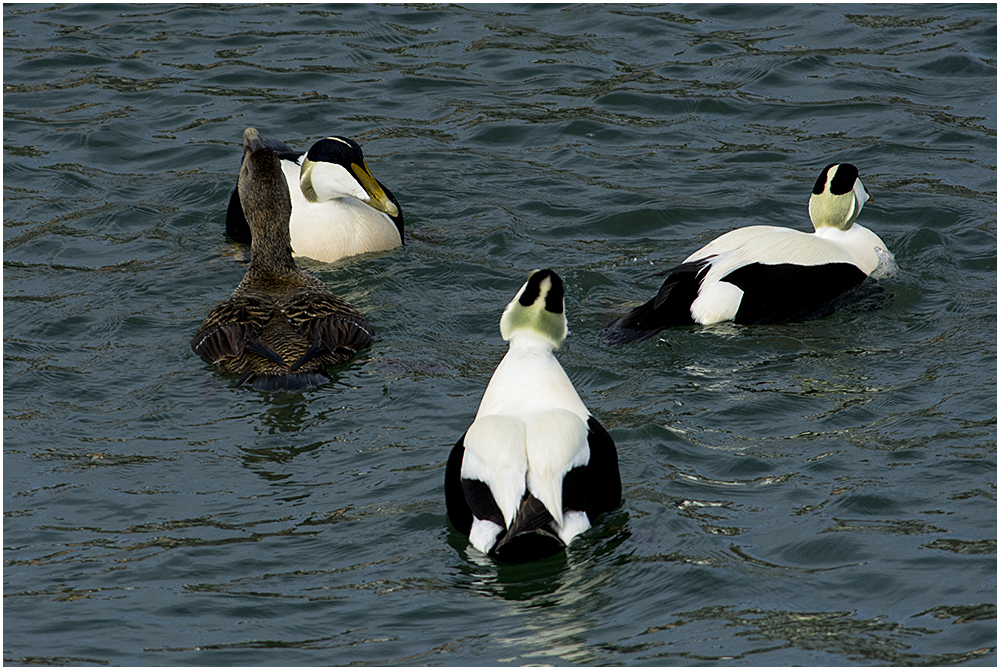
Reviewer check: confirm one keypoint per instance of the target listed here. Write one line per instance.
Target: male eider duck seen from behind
(338, 208)
(281, 328)
(535, 469)
(767, 274)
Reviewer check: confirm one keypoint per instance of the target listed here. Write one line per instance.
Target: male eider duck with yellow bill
(281, 328)
(338, 208)
(535, 469)
(767, 274)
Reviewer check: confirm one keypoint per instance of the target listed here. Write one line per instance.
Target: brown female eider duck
(281, 328)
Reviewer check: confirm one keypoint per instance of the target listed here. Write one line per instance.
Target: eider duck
(535, 469)
(767, 274)
(338, 208)
(281, 328)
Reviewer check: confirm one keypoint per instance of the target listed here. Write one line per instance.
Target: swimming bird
(281, 328)
(535, 469)
(338, 208)
(767, 274)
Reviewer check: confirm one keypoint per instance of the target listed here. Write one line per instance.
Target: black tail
(640, 324)
(671, 306)
(530, 536)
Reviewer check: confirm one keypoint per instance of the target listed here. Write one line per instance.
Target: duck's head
(837, 197)
(263, 191)
(335, 167)
(537, 309)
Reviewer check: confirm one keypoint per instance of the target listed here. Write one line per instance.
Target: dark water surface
(817, 493)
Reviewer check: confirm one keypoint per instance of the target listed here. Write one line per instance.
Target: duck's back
(284, 341)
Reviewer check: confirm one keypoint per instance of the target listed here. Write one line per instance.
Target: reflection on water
(509, 581)
(556, 601)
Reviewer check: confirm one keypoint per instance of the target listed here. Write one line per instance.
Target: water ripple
(800, 494)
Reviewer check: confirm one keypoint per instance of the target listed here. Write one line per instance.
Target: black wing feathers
(681, 286)
(604, 489)
(481, 502)
(454, 496)
(786, 292)
(466, 498)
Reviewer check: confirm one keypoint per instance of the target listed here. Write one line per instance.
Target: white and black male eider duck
(535, 469)
(281, 328)
(767, 274)
(338, 208)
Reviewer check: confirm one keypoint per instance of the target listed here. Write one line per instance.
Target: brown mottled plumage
(281, 327)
